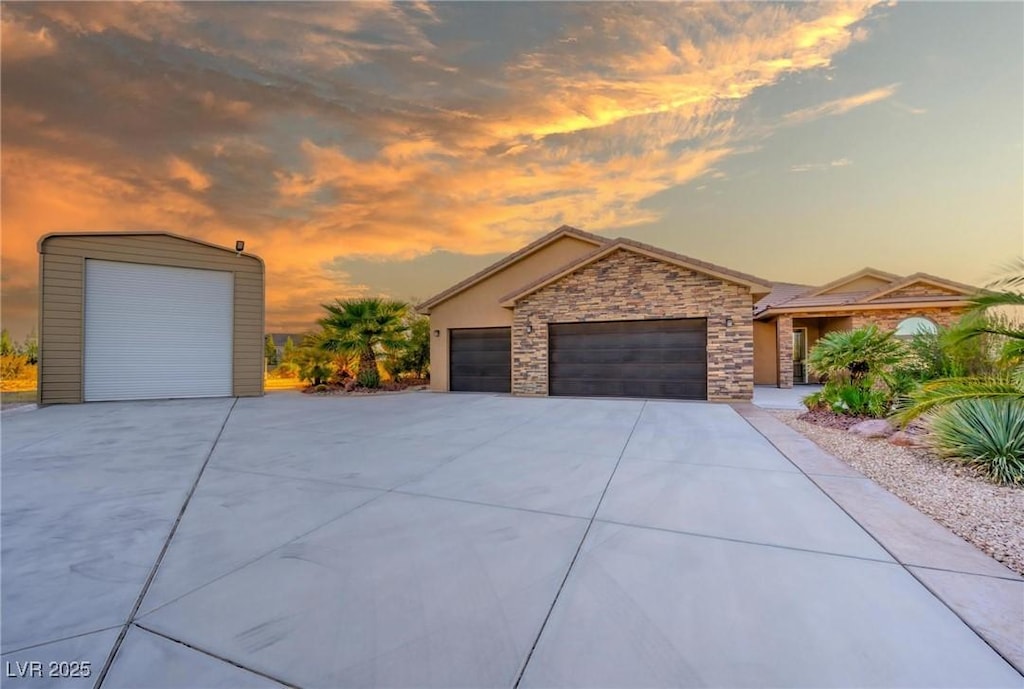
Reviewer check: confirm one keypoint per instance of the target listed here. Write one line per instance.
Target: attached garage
(648, 358)
(481, 359)
(148, 316)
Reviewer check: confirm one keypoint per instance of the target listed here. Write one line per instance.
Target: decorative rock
(904, 439)
(873, 428)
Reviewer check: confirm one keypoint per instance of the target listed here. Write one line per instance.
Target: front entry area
(649, 359)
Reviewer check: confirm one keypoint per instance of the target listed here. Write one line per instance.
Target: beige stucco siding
(478, 307)
(766, 370)
(61, 307)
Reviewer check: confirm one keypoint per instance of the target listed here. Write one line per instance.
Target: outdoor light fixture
(529, 328)
(437, 333)
(728, 321)
(239, 246)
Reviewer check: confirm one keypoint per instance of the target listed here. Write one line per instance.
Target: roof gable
(864, 280)
(511, 259)
(922, 285)
(756, 285)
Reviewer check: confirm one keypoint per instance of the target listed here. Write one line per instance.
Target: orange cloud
(323, 131)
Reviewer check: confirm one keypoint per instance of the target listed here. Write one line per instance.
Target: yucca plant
(988, 433)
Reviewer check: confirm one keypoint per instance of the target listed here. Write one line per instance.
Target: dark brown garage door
(664, 358)
(481, 360)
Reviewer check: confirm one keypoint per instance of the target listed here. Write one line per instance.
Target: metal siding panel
(155, 332)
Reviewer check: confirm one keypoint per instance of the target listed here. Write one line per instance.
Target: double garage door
(154, 332)
(650, 359)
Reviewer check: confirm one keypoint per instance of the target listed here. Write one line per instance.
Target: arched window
(916, 325)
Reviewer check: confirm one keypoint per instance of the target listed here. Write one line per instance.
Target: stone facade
(922, 290)
(629, 286)
(889, 320)
(784, 347)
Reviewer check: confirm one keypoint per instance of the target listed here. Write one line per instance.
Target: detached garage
(128, 316)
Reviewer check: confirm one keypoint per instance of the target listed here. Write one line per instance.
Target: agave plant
(987, 432)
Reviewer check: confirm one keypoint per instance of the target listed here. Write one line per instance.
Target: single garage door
(481, 360)
(656, 358)
(154, 332)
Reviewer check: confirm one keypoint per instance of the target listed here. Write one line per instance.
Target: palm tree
(363, 328)
(1008, 385)
(855, 355)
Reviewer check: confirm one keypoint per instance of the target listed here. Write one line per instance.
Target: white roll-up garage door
(157, 332)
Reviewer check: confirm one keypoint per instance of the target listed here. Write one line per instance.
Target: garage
(649, 359)
(481, 359)
(130, 316)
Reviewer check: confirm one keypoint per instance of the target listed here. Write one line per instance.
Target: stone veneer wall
(889, 320)
(630, 286)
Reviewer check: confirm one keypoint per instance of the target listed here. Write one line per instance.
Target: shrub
(988, 433)
(852, 399)
(13, 366)
(286, 369)
(368, 377)
(855, 355)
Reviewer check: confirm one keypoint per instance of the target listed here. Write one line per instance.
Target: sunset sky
(396, 148)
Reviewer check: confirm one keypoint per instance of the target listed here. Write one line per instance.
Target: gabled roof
(756, 285)
(852, 277)
(533, 247)
(140, 233)
(922, 279)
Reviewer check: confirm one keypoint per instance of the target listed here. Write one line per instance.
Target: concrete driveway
(447, 541)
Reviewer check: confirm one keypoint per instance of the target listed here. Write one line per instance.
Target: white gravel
(989, 516)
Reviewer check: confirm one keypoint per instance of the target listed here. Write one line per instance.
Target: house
(577, 314)
(791, 318)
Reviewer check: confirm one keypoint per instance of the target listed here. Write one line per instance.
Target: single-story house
(577, 314)
(791, 318)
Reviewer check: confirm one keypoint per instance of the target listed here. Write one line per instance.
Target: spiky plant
(988, 433)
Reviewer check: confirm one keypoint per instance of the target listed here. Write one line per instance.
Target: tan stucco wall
(862, 284)
(478, 307)
(62, 293)
(626, 286)
(766, 369)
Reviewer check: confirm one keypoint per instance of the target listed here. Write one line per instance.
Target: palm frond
(939, 393)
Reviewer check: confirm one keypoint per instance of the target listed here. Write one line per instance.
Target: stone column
(784, 347)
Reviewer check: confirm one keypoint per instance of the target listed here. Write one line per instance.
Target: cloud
(384, 131)
(840, 106)
(819, 167)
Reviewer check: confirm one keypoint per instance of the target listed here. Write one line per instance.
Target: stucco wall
(766, 369)
(478, 307)
(629, 286)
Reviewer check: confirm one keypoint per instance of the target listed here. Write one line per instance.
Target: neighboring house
(578, 314)
(280, 338)
(789, 320)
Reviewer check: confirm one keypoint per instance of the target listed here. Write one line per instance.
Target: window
(916, 325)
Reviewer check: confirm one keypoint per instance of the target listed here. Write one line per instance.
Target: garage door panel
(480, 359)
(651, 358)
(155, 332)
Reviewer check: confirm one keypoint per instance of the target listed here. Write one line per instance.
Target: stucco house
(577, 314)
